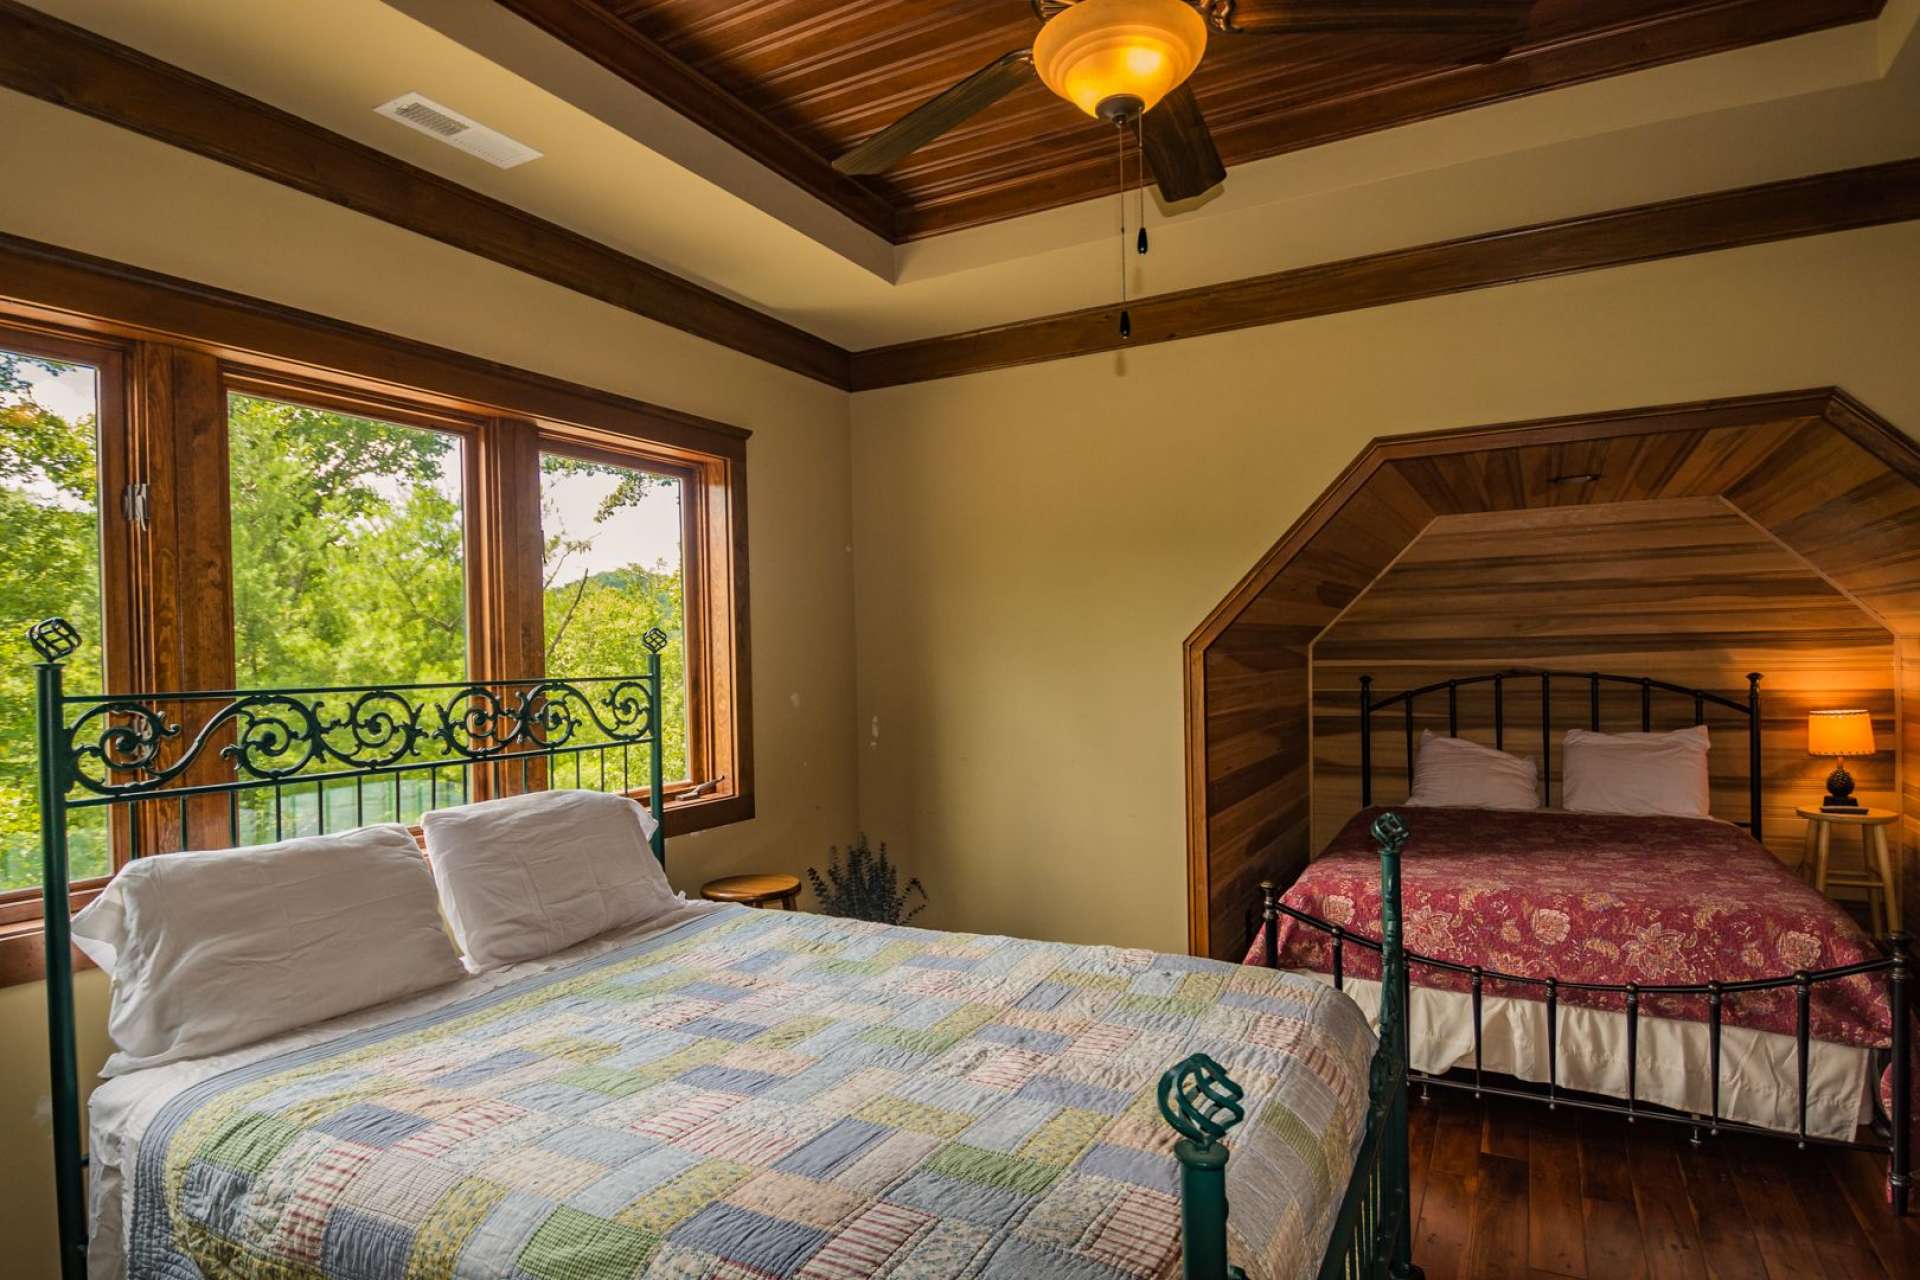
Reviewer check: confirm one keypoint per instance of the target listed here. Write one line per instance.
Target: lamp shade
(1840, 733)
(1101, 50)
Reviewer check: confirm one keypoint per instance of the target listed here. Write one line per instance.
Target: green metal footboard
(1373, 1232)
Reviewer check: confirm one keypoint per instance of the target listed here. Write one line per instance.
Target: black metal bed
(1892, 1133)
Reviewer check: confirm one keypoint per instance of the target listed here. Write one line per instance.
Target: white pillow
(211, 951)
(1453, 773)
(1647, 774)
(525, 876)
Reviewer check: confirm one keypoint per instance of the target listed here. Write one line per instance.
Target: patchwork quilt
(1595, 898)
(768, 1094)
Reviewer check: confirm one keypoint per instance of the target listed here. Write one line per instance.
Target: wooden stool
(1877, 876)
(754, 891)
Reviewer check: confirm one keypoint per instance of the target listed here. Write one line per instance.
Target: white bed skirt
(1759, 1071)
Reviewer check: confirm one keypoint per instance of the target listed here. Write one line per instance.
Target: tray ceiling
(796, 82)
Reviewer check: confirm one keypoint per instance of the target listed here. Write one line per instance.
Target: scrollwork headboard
(192, 770)
(1548, 681)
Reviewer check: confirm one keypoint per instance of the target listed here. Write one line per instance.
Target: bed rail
(1372, 1236)
(169, 772)
(1594, 681)
(1896, 964)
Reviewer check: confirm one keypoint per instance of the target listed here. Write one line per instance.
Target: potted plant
(866, 886)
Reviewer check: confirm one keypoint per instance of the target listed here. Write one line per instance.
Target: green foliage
(347, 549)
(594, 622)
(349, 568)
(49, 565)
(866, 886)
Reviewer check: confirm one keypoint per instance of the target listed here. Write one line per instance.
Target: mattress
(1608, 899)
(752, 1093)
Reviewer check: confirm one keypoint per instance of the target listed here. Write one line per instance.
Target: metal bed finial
(54, 639)
(1201, 1102)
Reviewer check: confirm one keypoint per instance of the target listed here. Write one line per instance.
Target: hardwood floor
(1503, 1189)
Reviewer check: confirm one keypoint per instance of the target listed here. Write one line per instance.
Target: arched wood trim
(1397, 483)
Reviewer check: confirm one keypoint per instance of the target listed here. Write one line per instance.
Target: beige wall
(1032, 546)
(68, 181)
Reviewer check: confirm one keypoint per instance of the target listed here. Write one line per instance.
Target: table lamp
(1840, 734)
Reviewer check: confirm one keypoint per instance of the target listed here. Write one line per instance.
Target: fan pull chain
(1140, 149)
(1126, 317)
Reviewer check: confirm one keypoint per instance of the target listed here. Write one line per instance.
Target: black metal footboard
(1896, 963)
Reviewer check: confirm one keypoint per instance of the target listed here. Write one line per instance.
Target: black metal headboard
(1647, 685)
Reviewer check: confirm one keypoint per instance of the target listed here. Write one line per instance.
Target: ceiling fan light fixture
(1124, 55)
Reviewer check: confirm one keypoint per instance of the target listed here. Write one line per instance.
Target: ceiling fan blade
(1397, 17)
(938, 114)
(1180, 148)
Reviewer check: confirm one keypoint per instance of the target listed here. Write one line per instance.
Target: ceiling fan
(1127, 61)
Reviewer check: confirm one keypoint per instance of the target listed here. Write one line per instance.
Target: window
(349, 559)
(50, 564)
(613, 544)
(349, 568)
(341, 508)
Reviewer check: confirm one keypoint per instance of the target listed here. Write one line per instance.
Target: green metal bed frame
(150, 761)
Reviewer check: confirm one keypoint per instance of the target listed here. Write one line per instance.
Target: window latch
(699, 789)
(134, 504)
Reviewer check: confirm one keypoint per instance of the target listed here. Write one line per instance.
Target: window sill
(23, 953)
(684, 817)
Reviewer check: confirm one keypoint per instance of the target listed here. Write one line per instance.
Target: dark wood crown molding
(59, 286)
(74, 68)
(1838, 201)
(617, 46)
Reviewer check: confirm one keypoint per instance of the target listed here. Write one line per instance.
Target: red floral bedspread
(1595, 898)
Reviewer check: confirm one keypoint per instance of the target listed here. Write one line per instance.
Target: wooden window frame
(718, 788)
(171, 351)
(310, 393)
(110, 360)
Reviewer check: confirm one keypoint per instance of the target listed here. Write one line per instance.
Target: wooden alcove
(1826, 493)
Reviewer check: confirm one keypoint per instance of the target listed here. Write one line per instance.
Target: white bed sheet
(122, 1108)
(1759, 1070)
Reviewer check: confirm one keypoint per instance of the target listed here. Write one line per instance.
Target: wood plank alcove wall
(1814, 471)
(1686, 590)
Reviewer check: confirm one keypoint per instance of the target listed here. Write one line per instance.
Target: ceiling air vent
(429, 117)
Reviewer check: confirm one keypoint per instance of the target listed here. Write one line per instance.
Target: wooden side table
(754, 891)
(1877, 875)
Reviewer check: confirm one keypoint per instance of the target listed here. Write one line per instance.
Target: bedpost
(1753, 754)
(655, 639)
(1900, 997)
(1390, 1064)
(54, 640)
(1366, 741)
(1201, 1102)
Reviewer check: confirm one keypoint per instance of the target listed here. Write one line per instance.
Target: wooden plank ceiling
(1837, 487)
(814, 77)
